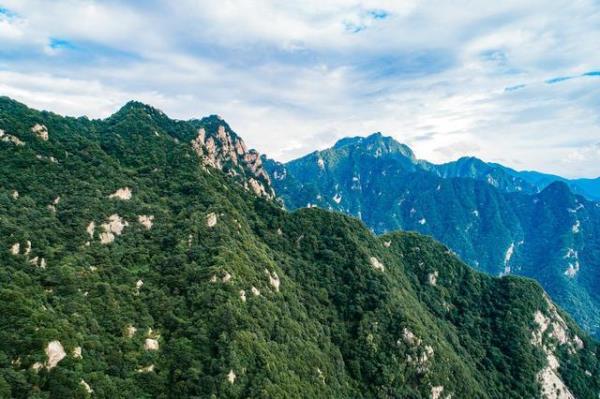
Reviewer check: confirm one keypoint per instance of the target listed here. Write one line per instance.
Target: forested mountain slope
(139, 261)
(510, 180)
(552, 236)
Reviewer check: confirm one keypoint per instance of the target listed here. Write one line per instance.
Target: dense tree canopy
(130, 269)
(489, 215)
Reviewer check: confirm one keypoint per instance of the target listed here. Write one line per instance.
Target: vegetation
(327, 309)
(489, 215)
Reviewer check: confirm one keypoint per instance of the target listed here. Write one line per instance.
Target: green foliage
(489, 215)
(333, 329)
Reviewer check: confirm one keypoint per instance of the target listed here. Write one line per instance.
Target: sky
(515, 82)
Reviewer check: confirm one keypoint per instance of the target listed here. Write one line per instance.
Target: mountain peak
(376, 136)
(214, 118)
(134, 105)
(471, 159)
(557, 190)
(346, 141)
(135, 108)
(376, 142)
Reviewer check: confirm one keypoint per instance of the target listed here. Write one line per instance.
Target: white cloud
(293, 76)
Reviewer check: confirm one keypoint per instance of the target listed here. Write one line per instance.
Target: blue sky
(516, 82)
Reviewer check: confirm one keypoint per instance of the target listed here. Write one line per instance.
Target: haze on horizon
(507, 82)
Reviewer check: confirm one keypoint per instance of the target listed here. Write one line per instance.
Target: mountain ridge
(505, 178)
(132, 268)
(493, 220)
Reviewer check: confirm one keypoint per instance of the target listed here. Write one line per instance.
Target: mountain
(493, 220)
(510, 180)
(496, 175)
(138, 261)
(589, 188)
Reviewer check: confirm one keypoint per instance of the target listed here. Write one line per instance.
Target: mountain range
(146, 257)
(496, 219)
(510, 180)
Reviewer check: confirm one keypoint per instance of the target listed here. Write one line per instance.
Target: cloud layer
(513, 82)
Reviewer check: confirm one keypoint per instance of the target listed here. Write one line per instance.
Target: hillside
(139, 260)
(510, 180)
(551, 235)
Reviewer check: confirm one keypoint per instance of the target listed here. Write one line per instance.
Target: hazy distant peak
(376, 143)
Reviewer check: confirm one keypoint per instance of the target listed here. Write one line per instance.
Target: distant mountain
(137, 260)
(496, 220)
(496, 175)
(589, 188)
(510, 180)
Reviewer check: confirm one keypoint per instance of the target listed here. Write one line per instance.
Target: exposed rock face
(151, 344)
(146, 221)
(231, 377)
(220, 148)
(55, 353)
(15, 249)
(410, 338)
(9, 138)
(90, 229)
(257, 188)
(114, 227)
(559, 330)
(122, 194)
(86, 386)
(274, 280)
(147, 369)
(77, 352)
(376, 264)
(436, 392)
(420, 355)
(432, 278)
(252, 159)
(41, 131)
(211, 219)
(552, 385)
(130, 331)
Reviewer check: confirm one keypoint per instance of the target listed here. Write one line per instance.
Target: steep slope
(211, 138)
(551, 236)
(134, 265)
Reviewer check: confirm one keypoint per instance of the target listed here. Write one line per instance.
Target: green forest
(129, 268)
(494, 220)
